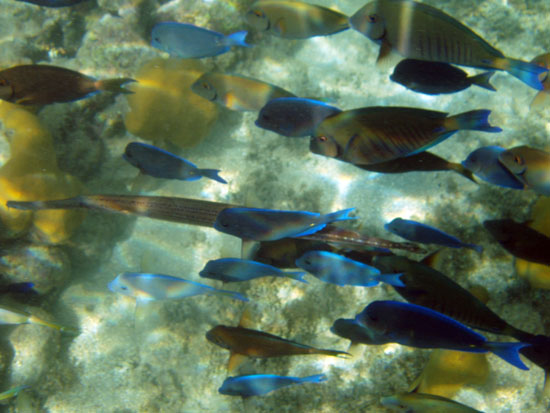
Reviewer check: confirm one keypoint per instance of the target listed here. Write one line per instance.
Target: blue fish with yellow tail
(426, 234)
(192, 42)
(260, 384)
(237, 269)
(145, 286)
(53, 3)
(337, 269)
(416, 326)
(159, 163)
(270, 224)
(484, 163)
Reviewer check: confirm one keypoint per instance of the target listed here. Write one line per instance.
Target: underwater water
(154, 357)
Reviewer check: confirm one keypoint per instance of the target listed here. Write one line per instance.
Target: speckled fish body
(53, 3)
(254, 343)
(543, 96)
(235, 92)
(424, 403)
(434, 78)
(419, 31)
(520, 240)
(294, 19)
(162, 287)
(416, 326)
(426, 234)
(294, 117)
(12, 392)
(531, 166)
(192, 42)
(159, 163)
(337, 269)
(484, 163)
(350, 329)
(270, 224)
(379, 134)
(236, 269)
(260, 384)
(42, 85)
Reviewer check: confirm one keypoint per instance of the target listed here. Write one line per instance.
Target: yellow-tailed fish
(422, 32)
(542, 97)
(12, 316)
(531, 166)
(294, 19)
(8, 394)
(237, 92)
(424, 403)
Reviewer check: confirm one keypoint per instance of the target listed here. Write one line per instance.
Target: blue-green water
(156, 358)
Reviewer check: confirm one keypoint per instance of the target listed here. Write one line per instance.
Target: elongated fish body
(42, 85)
(434, 78)
(236, 269)
(424, 403)
(484, 163)
(163, 287)
(53, 3)
(426, 234)
(294, 117)
(260, 384)
(419, 162)
(418, 31)
(352, 330)
(12, 392)
(159, 163)
(529, 165)
(236, 92)
(254, 343)
(416, 326)
(294, 19)
(12, 316)
(192, 42)
(270, 224)
(337, 269)
(520, 240)
(379, 134)
(543, 96)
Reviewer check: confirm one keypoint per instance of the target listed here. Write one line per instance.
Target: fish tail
(541, 98)
(473, 120)
(238, 39)
(462, 170)
(508, 352)
(392, 279)
(115, 85)
(482, 80)
(318, 378)
(339, 215)
(296, 275)
(333, 353)
(212, 174)
(76, 202)
(528, 73)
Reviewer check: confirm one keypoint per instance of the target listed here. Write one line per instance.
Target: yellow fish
(531, 166)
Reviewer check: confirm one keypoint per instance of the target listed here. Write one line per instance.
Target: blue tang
(270, 224)
(236, 269)
(159, 163)
(53, 3)
(484, 163)
(425, 234)
(162, 287)
(337, 269)
(294, 117)
(416, 326)
(189, 41)
(260, 384)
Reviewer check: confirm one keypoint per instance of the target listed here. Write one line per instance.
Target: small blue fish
(270, 224)
(189, 41)
(260, 384)
(484, 163)
(294, 117)
(163, 287)
(416, 326)
(159, 163)
(425, 234)
(53, 3)
(340, 270)
(236, 269)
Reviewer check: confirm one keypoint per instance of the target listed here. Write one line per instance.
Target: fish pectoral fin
(235, 360)
(384, 55)
(280, 26)
(354, 350)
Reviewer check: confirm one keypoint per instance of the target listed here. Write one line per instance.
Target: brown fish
(42, 85)
(543, 96)
(530, 166)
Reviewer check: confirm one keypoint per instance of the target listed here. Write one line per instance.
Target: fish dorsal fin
(235, 360)
(432, 260)
(246, 319)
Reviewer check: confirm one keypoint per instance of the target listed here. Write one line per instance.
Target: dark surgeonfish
(424, 403)
(416, 326)
(293, 116)
(541, 98)
(260, 384)
(295, 19)
(377, 134)
(520, 240)
(419, 31)
(53, 3)
(426, 234)
(529, 165)
(159, 163)
(192, 42)
(237, 269)
(42, 85)
(434, 78)
(484, 163)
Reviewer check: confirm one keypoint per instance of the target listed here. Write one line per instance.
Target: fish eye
(518, 159)
(308, 262)
(123, 288)
(373, 18)
(3, 82)
(258, 13)
(373, 317)
(323, 138)
(206, 85)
